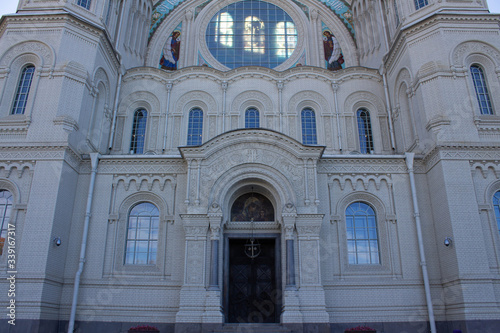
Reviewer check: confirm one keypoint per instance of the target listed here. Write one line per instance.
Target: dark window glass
(138, 132)
(421, 3)
(482, 94)
(5, 211)
(365, 132)
(252, 118)
(195, 127)
(496, 207)
(84, 3)
(23, 89)
(309, 127)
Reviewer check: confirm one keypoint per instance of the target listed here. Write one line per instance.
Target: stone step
(253, 328)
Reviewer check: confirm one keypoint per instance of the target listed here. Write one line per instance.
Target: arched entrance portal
(252, 256)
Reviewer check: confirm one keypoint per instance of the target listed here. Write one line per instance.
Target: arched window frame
(23, 88)
(141, 246)
(252, 118)
(6, 204)
(195, 127)
(308, 122)
(138, 136)
(481, 89)
(362, 234)
(365, 132)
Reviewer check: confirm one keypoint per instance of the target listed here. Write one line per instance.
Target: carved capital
(289, 228)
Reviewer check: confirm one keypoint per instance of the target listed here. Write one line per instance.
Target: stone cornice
(487, 151)
(289, 75)
(362, 165)
(409, 31)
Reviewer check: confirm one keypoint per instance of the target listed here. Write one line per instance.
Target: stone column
(291, 305)
(311, 292)
(213, 302)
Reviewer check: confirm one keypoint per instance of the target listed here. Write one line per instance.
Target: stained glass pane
(251, 33)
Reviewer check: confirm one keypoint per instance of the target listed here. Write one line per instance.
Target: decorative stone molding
(311, 99)
(67, 123)
(463, 50)
(196, 98)
(252, 98)
(148, 180)
(42, 50)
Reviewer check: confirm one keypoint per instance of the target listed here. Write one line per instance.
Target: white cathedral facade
(250, 166)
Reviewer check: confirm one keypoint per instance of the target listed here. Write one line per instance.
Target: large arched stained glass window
(195, 127)
(308, 118)
(142, 234)
(23, 90)
(362, 235)
(138, 132)
(5, 210)
(252, 119)
(251, 33)
(496, 207)
(365, 132)
(482, 94)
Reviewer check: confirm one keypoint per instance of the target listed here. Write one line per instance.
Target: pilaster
(311, 292)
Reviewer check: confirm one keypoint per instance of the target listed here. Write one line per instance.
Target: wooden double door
(252, 286)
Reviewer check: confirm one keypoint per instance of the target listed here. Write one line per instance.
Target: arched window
(138, 132)
(496, 207)
(195, 127)
(142, 234)
(483, 97)
(5, 209)
(365, 132)
(84, 3)
(309, 136)
(421, 3)
(23, 89)
(252, 119)
(362, 235)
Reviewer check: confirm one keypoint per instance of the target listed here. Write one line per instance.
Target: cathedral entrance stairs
(253, 328)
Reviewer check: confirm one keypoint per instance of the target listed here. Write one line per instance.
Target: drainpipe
(409, 163)
(168, 87)
(389, 111)
(335, 87)
(115, 111)
(224, 88)
(94, 159)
